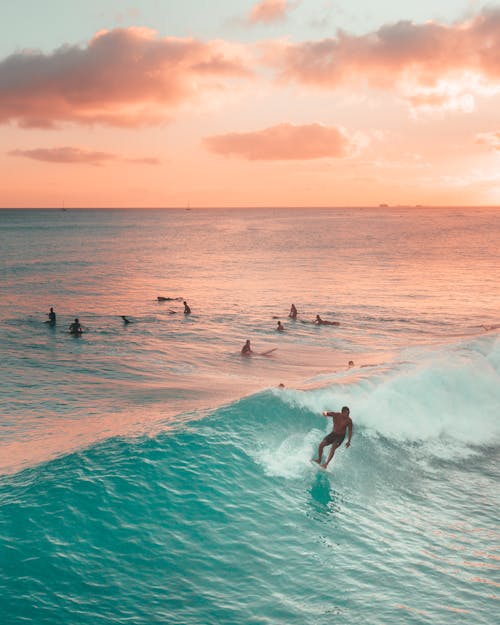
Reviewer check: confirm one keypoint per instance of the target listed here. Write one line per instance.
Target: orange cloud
(74, 155)
(491, 139)
(283, 142)
(269, 11)
(124, 77)
(428, 63)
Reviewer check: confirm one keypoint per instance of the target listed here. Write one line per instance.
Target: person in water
(323, 322)
(75, 327)
(52, 316)
(125, 320)
(280, 327)
(187, 310)
(246, 350)
(341, 422)
(293, 312)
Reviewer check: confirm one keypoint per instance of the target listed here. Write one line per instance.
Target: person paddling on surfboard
(324, 322)
(341, 422)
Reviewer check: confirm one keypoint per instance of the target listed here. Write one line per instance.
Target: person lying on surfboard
(341, 422)
(323, 322)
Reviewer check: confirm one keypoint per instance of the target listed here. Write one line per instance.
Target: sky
(245, 103)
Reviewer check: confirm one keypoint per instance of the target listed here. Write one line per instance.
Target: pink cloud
(283, 142)
(269, 11)
(124, 77)
(415, 58)
(72, 155)
(491, 139)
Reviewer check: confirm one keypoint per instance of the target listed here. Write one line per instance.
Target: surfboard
(318, 466)
(269, 351)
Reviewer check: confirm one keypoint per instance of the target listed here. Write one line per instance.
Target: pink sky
(405, 113)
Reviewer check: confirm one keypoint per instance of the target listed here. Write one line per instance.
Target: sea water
(151, 474)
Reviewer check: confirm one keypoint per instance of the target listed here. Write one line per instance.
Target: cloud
(429, 64)
(491, 139)
(269, 11)
(283, 142)
(73, 155)
(124, 77)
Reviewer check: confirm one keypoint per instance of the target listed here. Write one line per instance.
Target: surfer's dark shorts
(333, 439)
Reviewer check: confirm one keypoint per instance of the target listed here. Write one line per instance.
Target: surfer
(75, 327)
(323, 322)
(187, 310)
(246, 350)
(341, 422)
(293, 312)
(280, 327)
(52, 316)
(125, 320)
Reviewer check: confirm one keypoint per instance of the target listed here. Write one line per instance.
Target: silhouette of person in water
(341, 422)
(293, 312)
(75, 327)
(246, 350)
(52, 316)
(280, 327)
(125, 320)
(323, 322)
(187, 310)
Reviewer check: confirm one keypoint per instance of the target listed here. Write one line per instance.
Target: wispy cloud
(283, 142)
(75, 155)
(125, 77)
(269, 11)
(491, 139)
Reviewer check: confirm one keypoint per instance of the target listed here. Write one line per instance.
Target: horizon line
(276, 207)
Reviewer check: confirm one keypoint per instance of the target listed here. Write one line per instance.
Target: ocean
(150, 473)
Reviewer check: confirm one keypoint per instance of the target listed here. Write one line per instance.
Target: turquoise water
(150, 474)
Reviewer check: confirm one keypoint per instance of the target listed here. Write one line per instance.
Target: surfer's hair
(344, 408)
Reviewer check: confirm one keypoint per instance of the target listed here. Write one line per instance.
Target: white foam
(290, 458)
(447, 394)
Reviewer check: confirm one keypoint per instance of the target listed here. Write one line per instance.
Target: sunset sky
(208, 103)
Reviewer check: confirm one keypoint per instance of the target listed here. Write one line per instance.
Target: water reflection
(323, 500)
